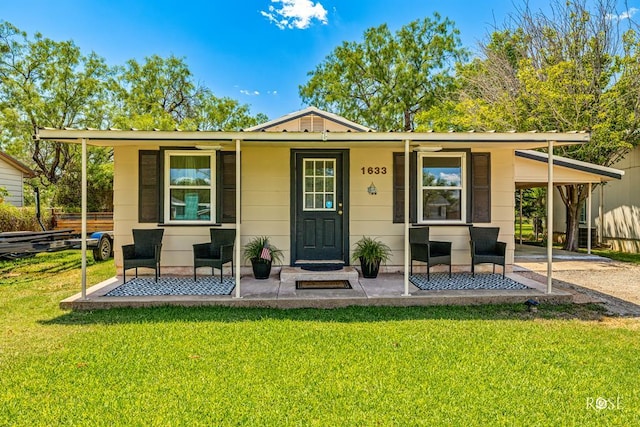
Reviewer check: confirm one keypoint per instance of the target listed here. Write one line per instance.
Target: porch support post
(589, 221)
(406, 218)
(550, 219)
(237, 243)
(83, 221)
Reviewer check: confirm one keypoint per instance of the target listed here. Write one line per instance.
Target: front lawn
(491, 365)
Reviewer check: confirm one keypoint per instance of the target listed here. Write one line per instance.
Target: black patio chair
(144, 252)
(485, 248)
(430, 251)
(215, 253)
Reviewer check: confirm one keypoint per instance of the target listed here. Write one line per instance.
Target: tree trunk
(572, 196)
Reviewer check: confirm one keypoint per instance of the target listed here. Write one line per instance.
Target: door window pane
(319, 184)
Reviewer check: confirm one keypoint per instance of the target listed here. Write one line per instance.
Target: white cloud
(250, 92)
(450, 178)
(295, 13)
(627, 14)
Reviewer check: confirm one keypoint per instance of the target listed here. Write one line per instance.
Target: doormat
(322, 267)
(323, 284)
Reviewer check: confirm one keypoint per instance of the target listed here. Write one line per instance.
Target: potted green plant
(262, 255)
(371, 253)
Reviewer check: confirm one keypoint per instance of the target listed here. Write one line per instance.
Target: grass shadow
(518, 312)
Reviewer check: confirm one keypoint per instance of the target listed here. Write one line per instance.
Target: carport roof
(569, 171)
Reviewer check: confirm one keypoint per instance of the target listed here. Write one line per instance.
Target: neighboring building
(314, 182)
(12, 176)
(620, 204)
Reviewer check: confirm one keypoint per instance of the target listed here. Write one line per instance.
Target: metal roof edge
(17, 164)
(310, 110)
(572, 164)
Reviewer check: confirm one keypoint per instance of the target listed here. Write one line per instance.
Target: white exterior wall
(621, 218)
(621, 208)
(12, 180)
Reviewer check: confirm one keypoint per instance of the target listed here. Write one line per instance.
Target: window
(189, 186)
(444, 187)
(319, 184)
(441, 193)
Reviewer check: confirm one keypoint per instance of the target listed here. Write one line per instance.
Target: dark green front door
(319, 208)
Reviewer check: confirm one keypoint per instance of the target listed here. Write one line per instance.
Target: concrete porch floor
(386, 290)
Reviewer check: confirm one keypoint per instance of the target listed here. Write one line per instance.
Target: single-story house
(12, 175)
(315, 183)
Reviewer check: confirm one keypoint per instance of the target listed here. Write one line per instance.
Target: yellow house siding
(265, 200)
(266, 176)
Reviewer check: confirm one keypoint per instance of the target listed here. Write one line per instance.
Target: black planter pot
(370, 271)
(261, 268)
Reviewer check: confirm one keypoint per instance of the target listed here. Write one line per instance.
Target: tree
(44, 83)
(161, 94)
(387, 79)
(571, 69)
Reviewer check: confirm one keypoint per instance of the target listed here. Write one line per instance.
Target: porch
(388, 289)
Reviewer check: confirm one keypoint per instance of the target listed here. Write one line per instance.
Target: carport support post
(406, 219)
(237, 243)
(550, 219)
(589, 221)
(83, 221)
(520, 217)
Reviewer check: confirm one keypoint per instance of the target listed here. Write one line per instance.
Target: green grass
(614, 255)
(490, 365)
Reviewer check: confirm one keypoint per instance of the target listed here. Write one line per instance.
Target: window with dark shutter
(149, 186)
(481, 187)
(226, 186)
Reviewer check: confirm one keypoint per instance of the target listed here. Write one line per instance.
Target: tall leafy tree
(161, 93)
(44, 83)
(386, 79)
(573, 68)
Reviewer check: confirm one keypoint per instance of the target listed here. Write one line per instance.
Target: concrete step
(292, 274)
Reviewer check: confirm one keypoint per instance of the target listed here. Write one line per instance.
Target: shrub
(21, 219)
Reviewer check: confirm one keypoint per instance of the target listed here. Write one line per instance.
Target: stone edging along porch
(386, 290)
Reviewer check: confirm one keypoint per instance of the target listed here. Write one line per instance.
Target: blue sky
(255, 51)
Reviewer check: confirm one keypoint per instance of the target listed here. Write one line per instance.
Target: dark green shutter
(149, 186)
(480, 187)
(398, 188)
(226, 187)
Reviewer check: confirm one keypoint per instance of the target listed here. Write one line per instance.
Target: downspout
(406, 218)
(238, 199)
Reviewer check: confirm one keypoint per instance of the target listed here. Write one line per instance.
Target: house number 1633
(374, 170)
